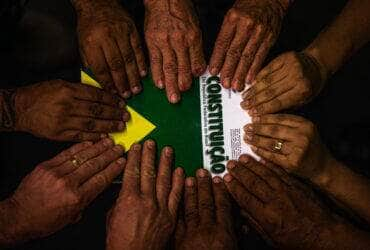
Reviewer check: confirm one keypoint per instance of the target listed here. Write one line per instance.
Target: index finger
(222, 202)
(205, 198)
(131, 177)
(282, 119)
(170, 68)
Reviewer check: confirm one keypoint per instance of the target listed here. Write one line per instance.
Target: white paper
(222, 121)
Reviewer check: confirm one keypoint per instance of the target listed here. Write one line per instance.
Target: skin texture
(110, 45)
(7, 109)
(174, 41)
(290, 80)
(57, 191)
(59, 110)
(302, 152)
(206, 222)
(145, 213)
(286, 211)
(249, 30)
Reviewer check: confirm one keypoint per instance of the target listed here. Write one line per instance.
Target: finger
(163, 183)
(170, 74)
(259, 58)
(223, 42)
(156, 64)
(249, 54)
(268, 144)
(148, 174)
(83, 156)
(197, 61)
(191, 203)
(93, 94)
(205, 198)
(272, 68)
(273, 106)
(99, 182)
(95, 165)
(77, 136)
(129, 59)
(96, 61)
(275, 158)
(100, 111)
(280, 172)
(234, 55)
(68, 154)
(275, 131)
(138, 50)
(222, 203)
(292, 121)
(116, 66)
(243, 197)
(174, 199)
(252, 182)
(131, 177)
(267, 94)
(262, 171)
(184, 68)
(86, 124)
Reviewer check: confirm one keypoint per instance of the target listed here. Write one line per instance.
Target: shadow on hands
(145, 213)
(206, 222)
(249, 30)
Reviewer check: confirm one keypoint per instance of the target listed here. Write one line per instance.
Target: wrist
(324, 178)
(315, 53)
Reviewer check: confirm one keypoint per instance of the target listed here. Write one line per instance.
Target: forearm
(347, 187)
(343, 37)
(7, 110)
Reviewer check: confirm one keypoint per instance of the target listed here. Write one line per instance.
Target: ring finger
(273, 145)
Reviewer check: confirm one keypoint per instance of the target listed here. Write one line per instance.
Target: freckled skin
(59, 110)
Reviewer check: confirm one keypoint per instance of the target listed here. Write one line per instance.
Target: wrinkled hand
(301, 151)
(110, 45)
(207, 222)
(145, 213)
(63, 111)
(175, 47)
(278, 205)
(249, 29)
(290, 80)
(57, 191)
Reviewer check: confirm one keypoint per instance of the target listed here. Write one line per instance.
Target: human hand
(301, 149)
(174, 42)
(280, 207)
(59, 110)
(290, 80)
(249, 30)
(145, 213)
(58, 190)
(110, 45)
(207, 222)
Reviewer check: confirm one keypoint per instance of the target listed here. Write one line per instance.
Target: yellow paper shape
(136, 129)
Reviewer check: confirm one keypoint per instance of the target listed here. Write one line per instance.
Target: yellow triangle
(136, 129)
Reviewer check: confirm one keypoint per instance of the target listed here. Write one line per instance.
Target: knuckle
(194, 36)
(116, 64)
(310, 129)
(170, 67)
(247, 57)
(129, 57)
(270, 93)
(101, 180)
(75, 198)
(96, 109)
(234, 53)
(233, 14)
(89, 125)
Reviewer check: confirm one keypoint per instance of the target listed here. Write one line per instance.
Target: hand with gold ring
(289, 141)
(57, 191)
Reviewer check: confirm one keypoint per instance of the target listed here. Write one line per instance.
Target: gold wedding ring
(278, 146)
(75, 162)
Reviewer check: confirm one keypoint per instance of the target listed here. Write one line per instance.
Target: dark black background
(42, 45)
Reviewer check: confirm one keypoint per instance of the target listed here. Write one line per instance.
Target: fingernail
(248, 137)
(168, 151)
(108, 142)
(235, 84)
(213, 71)
(217, 179)
(121, 126)
(254, 148)
(253, 112)
(226, 82)
(231, 164)
(136, 146)
(143, 73)
(136, 89)
(189, 182)
(160, 84)
(256, 119)
(120, 161)
(174, 98)
(126, 116)
(248, 128)
(228, 178)
(122, 104)
(118, 148)
(244, 158)
(150, 144)
(179, 171)
(126, 94)
(103, 136)
(202, 173)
